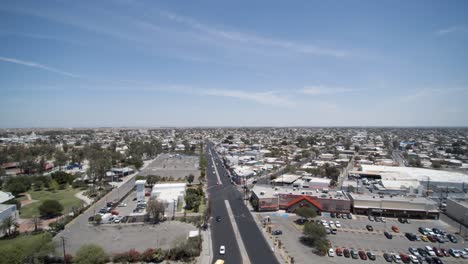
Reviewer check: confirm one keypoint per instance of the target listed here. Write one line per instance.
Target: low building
(457, 209)
(7, 210)
(273, 198)
(394, 206)
(170, 194)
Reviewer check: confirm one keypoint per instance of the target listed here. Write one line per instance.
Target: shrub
(50, 208)
(130, 256)
(91, 254)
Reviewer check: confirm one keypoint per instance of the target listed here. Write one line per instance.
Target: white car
(331, 252)
(331, 222)
(413, 259)
(222, 250)
(384, 220)
(122, 205)
(337, 224)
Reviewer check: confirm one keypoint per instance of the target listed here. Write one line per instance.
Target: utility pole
(173, 209)
(64, 253)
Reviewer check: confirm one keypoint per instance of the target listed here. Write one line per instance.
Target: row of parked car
(352, 253)
(343, 216)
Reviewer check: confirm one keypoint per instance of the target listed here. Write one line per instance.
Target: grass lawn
(65, 197)
(20, 240)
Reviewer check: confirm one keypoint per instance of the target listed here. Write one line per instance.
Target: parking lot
(122, 237)
(353, 234)
(176, 167)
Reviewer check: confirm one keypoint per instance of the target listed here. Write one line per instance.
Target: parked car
(362, 254)
(423, 252)
(424, 238)
(437, 230)
(371, 255)
(395, 229)
(414, 251)
(354, 253)
(338, 224)
(369, 228)
(411, 236)
(371, 218)
(346, 253)
(331, 252)
(454, 253)
(452, 238)
(277, 232)
(122, 205)
(350, 216)
(301, 221)
(445, 252)
(413, 259)
(396, 258)
(388, 235)
(332, 215)
(437, 260)
(218, 218)
(384, 220)
(388, 257)
(438, 252)
(405, 258)
(339, 251)
(432, 238)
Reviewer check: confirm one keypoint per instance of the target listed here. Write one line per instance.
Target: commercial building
(7, 210)
(140, 190)
(457, 209)
(273, 198)
(169, 194)
(394, 206)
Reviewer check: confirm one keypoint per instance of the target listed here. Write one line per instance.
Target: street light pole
(64, 252)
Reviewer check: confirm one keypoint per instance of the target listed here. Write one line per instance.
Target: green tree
(190, 178)
(60, 158)
(36, 221)
(54, 185)
(306, 212)
(155, 209)
(97, 218)
(314, 235)
(50, 208)
(90, 254)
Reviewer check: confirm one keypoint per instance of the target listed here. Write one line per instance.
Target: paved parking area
(119, 238)
(353, 233)
(176, 167)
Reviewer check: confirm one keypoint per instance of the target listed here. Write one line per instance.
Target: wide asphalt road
(256, 246)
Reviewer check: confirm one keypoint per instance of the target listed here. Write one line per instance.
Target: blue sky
(233, 63)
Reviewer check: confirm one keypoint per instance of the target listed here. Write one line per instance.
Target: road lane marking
(216, 169)
(243, 251)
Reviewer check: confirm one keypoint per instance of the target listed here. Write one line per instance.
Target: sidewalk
(206, 254)
(83, 198)
(271, 243)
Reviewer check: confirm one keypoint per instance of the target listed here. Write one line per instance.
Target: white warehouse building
(170, 194)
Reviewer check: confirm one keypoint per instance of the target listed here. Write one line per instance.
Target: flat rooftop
(273, 191)
(410, 173)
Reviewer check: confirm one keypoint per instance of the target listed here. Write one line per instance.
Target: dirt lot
(176, 167)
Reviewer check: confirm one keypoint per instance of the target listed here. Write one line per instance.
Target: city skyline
(145, 64)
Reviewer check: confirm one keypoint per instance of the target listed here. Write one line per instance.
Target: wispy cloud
(454, 29)
(324, 90)
(253, 39)
(37, 66)
(427, 92)
(267, 98)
